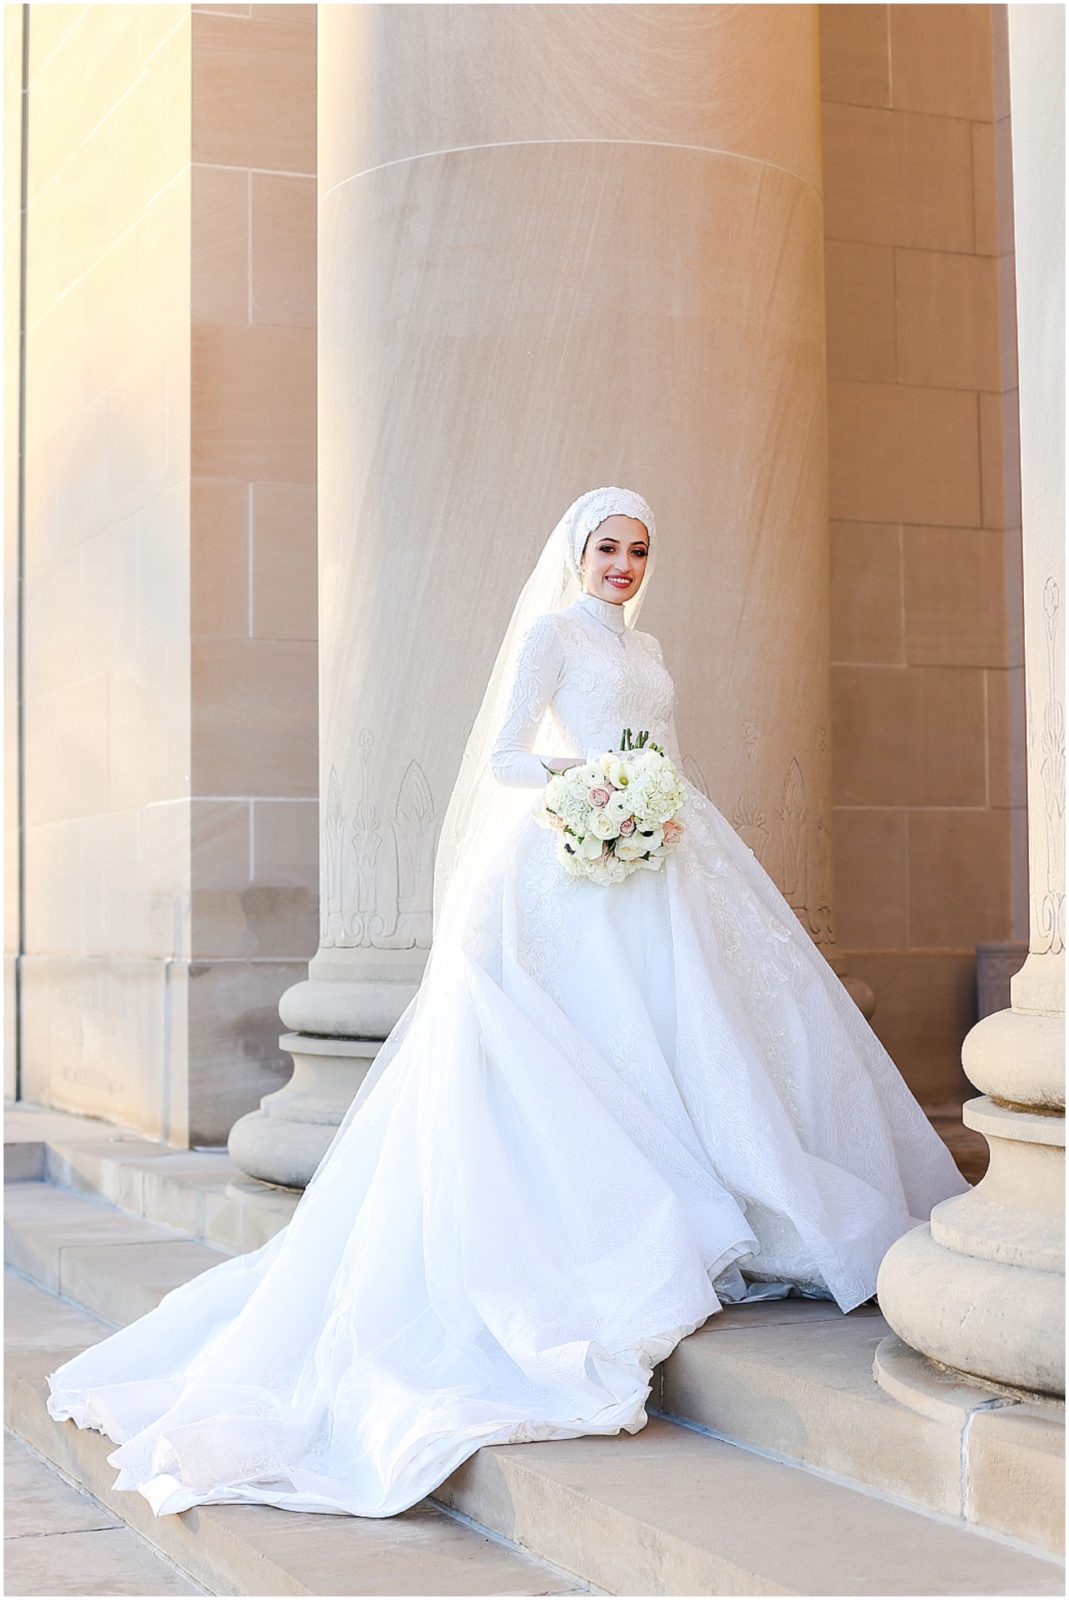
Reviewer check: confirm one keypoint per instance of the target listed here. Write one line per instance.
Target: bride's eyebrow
(607, 538)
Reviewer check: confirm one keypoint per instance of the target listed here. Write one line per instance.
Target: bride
(608, 1110)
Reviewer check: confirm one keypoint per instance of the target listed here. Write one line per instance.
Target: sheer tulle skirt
(607, 1111)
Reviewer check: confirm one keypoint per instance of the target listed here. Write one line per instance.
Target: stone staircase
(772, 1462)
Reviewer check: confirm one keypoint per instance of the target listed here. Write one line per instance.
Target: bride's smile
(614, 559)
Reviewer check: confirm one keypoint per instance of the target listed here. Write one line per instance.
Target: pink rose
(599, 797)
(558, 821)
(672, 830)
(627, 825)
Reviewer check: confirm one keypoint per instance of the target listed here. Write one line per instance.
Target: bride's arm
(538, 669)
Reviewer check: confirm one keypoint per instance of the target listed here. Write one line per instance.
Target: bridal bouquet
(616, 812)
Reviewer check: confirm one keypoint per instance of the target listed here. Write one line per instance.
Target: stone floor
(60, 1541)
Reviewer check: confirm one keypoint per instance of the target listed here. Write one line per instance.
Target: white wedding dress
(615, 1108)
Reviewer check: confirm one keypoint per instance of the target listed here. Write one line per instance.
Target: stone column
(982, 1289)
(559, 246)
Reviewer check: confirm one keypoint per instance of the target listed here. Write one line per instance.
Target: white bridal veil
(481, 811)
(555, 582)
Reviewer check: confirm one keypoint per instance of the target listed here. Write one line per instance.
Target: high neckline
(607, 612)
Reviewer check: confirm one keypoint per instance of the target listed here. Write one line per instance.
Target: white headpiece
(480, 809)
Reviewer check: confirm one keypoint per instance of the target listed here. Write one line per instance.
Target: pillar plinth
(285, 1140)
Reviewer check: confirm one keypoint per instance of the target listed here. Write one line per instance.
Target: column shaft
(983, 1288)
(587, 248)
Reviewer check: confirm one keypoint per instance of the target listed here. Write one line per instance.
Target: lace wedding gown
(612, 1103)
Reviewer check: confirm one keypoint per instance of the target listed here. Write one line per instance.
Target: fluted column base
(981, 1318)
(1010, 1448)
(287, 1138)
(346, 1007)
(981, 1289)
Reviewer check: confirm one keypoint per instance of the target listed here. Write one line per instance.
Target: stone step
(253, 1550)
(54, 1534)
(200, 1192)
(798, 1382)
(795, 1378)
(670, 1510)
(113, 1264)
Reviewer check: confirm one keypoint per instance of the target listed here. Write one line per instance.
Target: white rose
(628, 850)
(602, 826)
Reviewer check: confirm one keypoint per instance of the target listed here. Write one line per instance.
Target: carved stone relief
(748, 818)
(378, 871)
(803, 880)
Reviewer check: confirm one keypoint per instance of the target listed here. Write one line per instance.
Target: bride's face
(614, 559)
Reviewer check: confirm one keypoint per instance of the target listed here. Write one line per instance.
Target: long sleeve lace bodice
(596, 676)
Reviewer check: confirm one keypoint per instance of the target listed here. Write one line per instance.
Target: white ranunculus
(619, 805)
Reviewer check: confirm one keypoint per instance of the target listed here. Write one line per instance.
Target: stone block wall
(924, 502)
(12, 311)
(253, 822)
(104, 569)
(168, 565)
